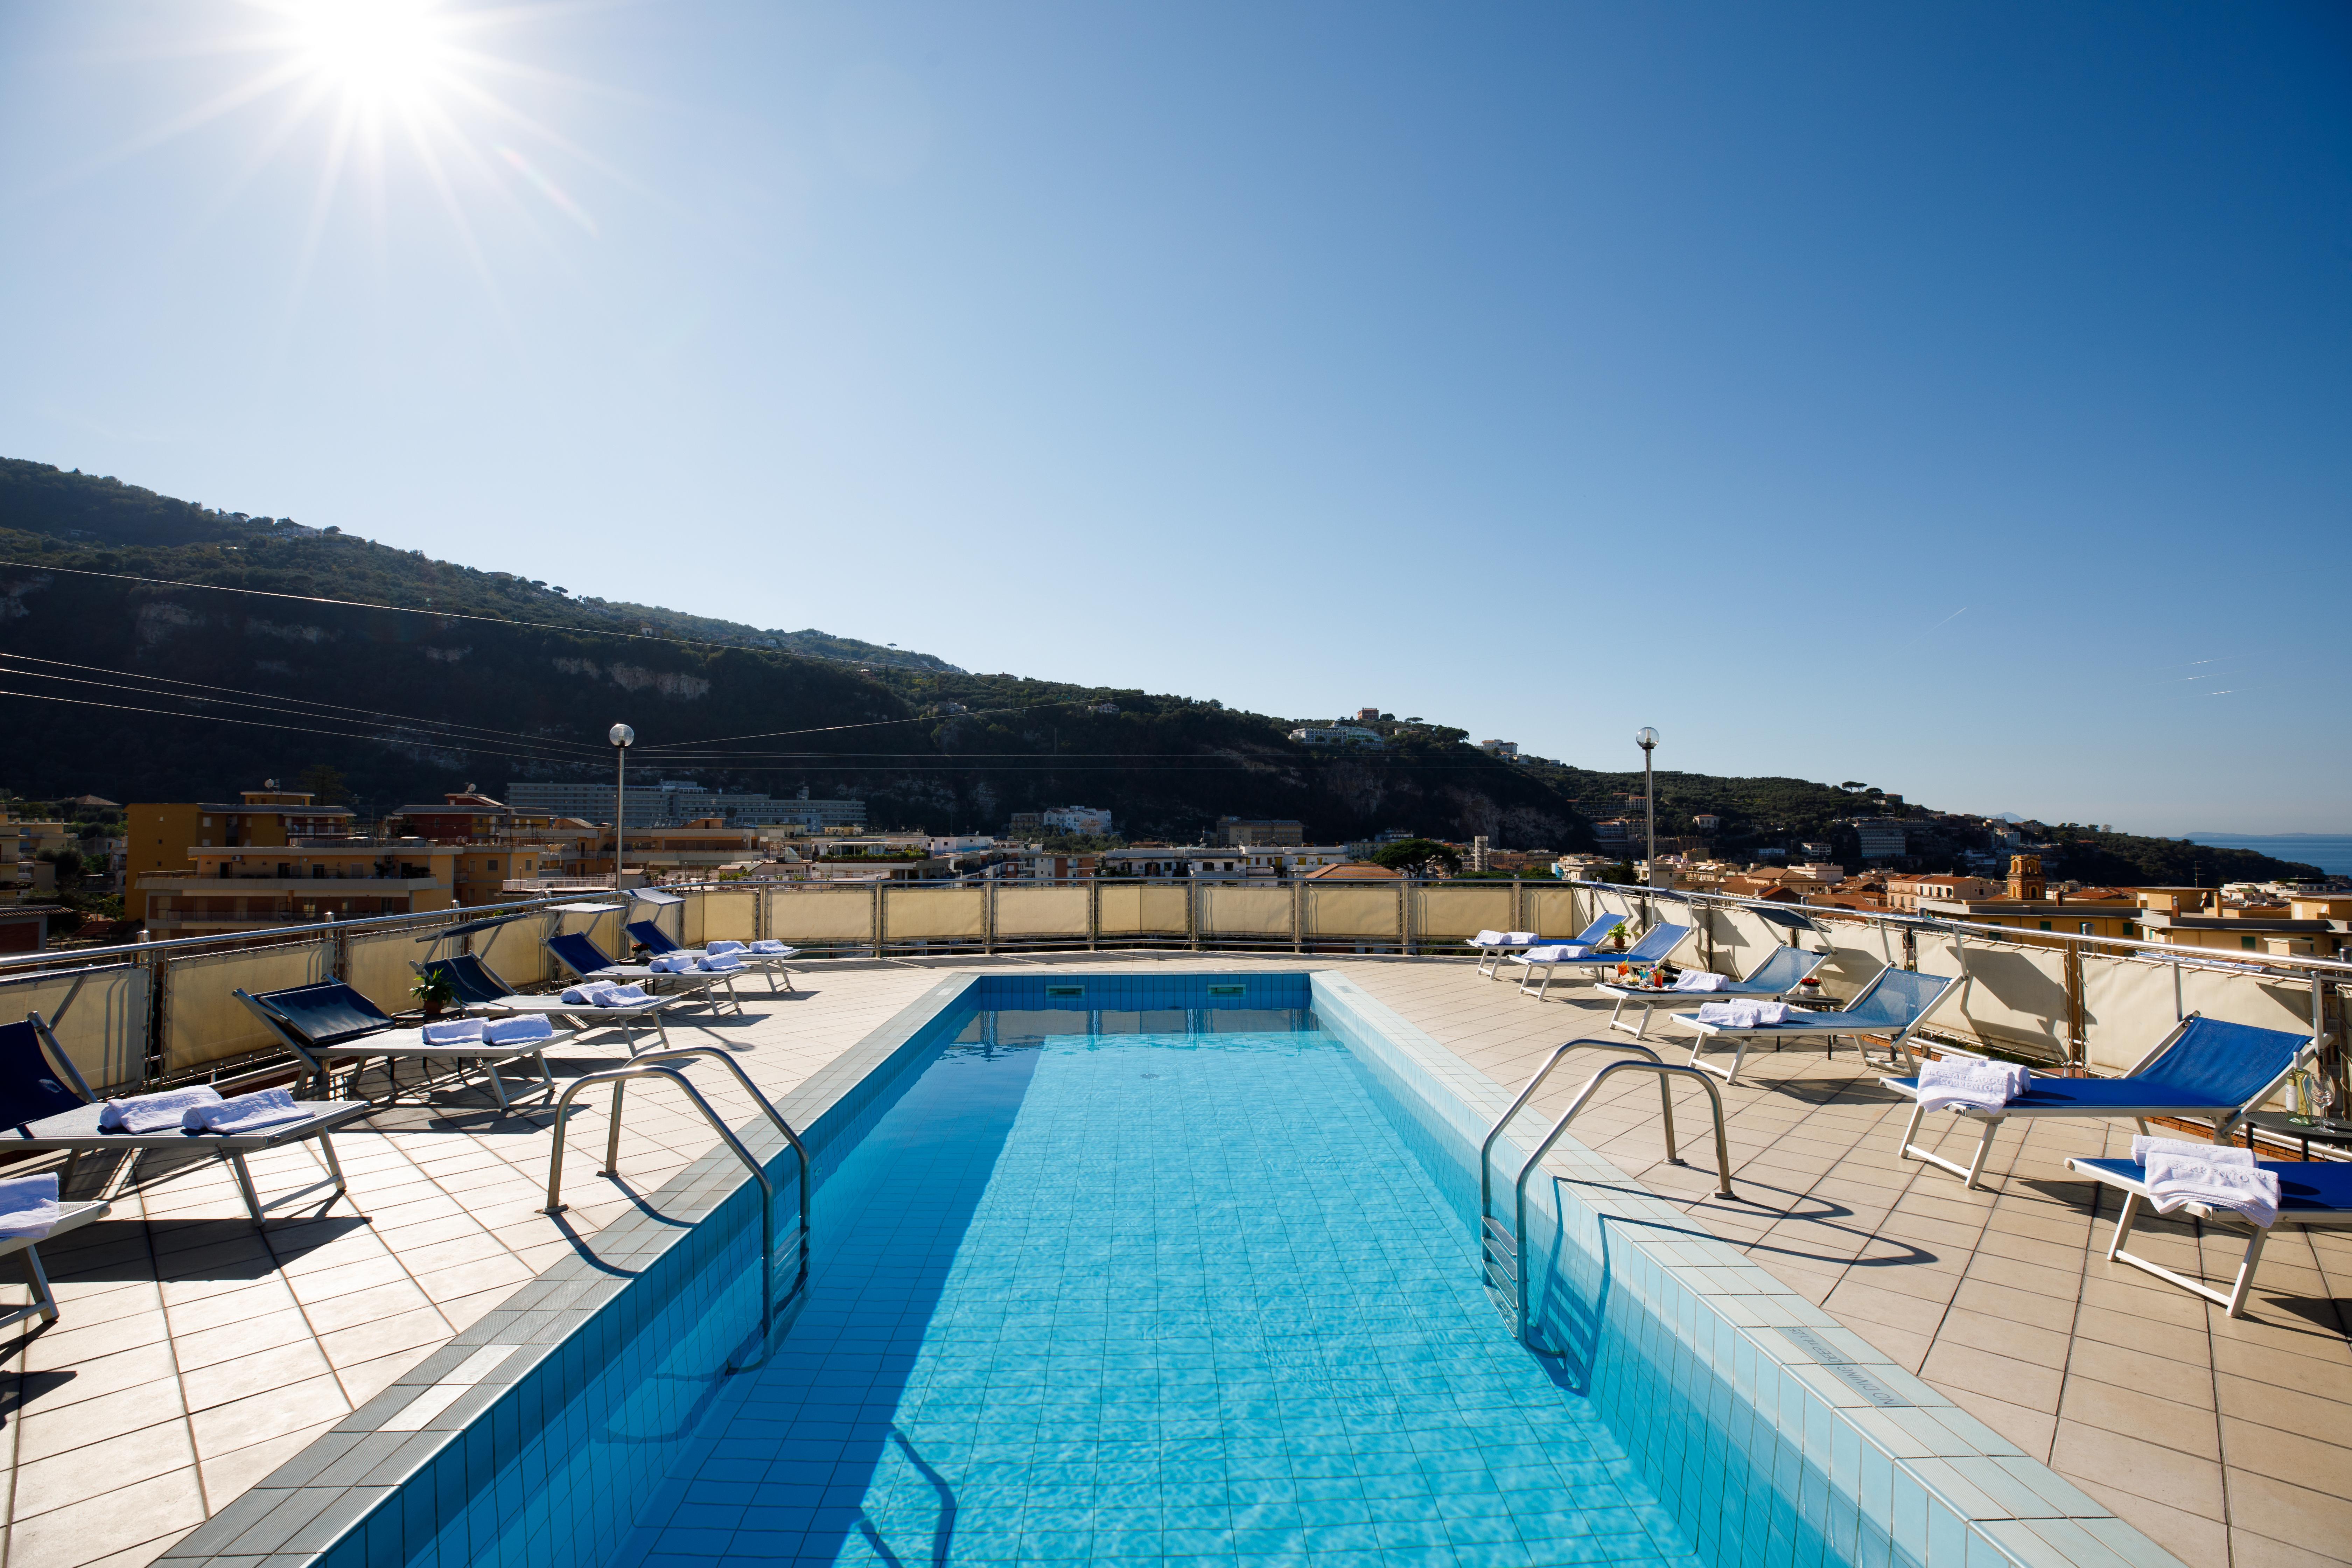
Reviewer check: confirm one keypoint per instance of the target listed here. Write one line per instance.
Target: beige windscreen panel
(203, 1020)
(98, 1015)
(376, 965)
(830, 915)
(1368, 914)
(1244, 912)
(931, 914)
(1025, 912)
(515, 952)
(728, 914)
(1552, 911)
(1455, 910)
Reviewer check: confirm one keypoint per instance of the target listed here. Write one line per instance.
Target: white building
(1337, 735)
(1077, 820)
(1506, 750)
(962, 843)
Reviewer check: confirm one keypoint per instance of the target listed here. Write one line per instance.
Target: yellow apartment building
(165, 837)
(257, 886)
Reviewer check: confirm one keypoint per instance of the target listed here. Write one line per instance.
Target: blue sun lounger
(656, 940)
(1774, 979)
(479, 990)
(2315, 1195)
(1655, 945)
(1491, 954)
(581, 956)
(46, 1106)
(330, 1024)
(2204, 1069)
(1894, 1003)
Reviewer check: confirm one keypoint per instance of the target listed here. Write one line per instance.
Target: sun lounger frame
(1835, 1025)
(1650, 1000)
(2136, 1194)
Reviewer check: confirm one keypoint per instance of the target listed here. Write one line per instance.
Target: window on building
(2046, 925)
(2085, 928)
(2247, 943)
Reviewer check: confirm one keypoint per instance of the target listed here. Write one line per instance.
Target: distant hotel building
(1076, 819)
(1337, 735)
(672, 803)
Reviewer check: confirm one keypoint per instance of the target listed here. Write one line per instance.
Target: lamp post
(1647, 739)
(623, 738)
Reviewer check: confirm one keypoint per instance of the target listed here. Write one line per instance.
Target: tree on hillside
(1417, 857)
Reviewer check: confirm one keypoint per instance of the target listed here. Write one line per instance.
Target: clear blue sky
(1914, 395)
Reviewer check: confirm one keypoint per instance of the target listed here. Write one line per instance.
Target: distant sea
(2331, 852)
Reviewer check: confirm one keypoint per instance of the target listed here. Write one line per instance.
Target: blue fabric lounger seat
(2313, 1194)
(330, 1024)
(656, 940)
(577, 952)
(1657, 944)
(1893, 1004)
(2205, 1067)
(480, 989)
(46, 1104)
(1775, 979)
(1491, 954)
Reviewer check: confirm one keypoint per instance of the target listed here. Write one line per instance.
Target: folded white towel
(28, 1206)
(1701, 980)
(1558, 953)
(770, 945)
(1487, 939)
(622, 995)
(722, 945)
(154, 1113)
(1961, 1082)
(518, 1031)
(2212, 1153)
(672, 963)
(1521, 938)
(719, 963)
(587, 991)
(246, 1113)
(455, 1032)
(2247, 1190)
(1742, 1014)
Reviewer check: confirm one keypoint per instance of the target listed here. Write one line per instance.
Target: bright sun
(378, 52)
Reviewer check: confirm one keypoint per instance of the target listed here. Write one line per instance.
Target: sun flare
(376, 52)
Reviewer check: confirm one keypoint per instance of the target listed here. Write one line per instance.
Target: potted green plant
(434, 992)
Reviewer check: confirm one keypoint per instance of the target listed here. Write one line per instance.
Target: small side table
(2332, 1129)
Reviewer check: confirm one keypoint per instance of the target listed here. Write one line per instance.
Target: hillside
(509, 679)
(406, 705)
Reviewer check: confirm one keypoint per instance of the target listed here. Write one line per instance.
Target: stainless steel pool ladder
(659, 1064)
(1502, 1266)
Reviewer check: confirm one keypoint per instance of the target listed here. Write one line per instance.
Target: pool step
(1499, 1259)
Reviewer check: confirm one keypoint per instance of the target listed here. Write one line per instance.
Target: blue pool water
(1175, 1297)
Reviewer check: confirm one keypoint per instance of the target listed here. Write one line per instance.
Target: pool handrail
(1583, 1098)
(726, 1059)
(617, 1077)
(1486, 1150)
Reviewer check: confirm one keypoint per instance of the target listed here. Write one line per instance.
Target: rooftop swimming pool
(1136, 1286)
(1175, 1268)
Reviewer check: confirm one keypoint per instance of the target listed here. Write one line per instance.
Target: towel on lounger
(770, 945)
(246, 1113)
(1951, 1081)
(521, 1031)
(604, 993)
(2144, 1146)
(28, 1206)
(154, 1113)
(1742, 1014)
(2248, 1191)
(715, 948)
(1487, 939)
(719, 963)
(672, 963)
(1701, 980)
(1557, 953)
(456, 1032)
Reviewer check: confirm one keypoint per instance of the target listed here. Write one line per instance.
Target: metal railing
(1491, 1233)
(617, 1078)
